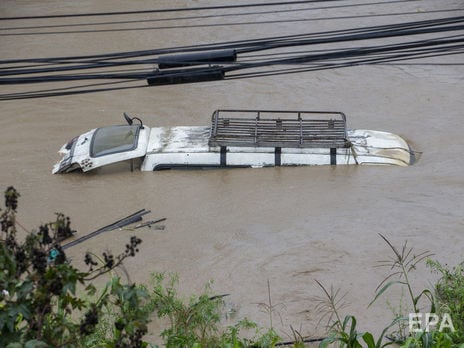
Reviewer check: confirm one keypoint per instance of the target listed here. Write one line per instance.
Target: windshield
(114, 139)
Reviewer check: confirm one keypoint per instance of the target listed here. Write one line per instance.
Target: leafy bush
(449, 295)
(39, 301)
(197, 322)
(46, 302)
(432, 339)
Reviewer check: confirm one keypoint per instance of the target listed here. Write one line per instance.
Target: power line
(242, 46)
(223, 15)
(258, 57)
(198, 8)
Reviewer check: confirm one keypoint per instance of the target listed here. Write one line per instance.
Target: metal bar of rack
(249, 128)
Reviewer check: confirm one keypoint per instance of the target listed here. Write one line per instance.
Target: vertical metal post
(223, 156)
(333, 156)
(278, 156)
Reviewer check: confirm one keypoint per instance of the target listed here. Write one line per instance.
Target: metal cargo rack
(270, 128)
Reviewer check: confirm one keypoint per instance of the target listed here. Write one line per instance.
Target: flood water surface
(245, 228)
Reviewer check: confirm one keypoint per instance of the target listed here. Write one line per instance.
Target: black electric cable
(245, 43)
(238, 14)
(414, 30)
(301, 59)
(197, 8)
(179, 26)
(258, 63)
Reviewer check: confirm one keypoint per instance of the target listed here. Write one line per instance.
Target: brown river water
(244, 227)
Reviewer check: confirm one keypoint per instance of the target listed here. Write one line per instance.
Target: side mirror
(130, 120)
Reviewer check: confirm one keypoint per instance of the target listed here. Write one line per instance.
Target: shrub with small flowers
(39, 301)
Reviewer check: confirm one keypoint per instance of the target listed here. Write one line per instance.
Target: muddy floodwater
(243, 228)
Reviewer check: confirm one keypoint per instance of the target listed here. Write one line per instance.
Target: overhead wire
(264, 56)
(243, 45)
(350, 35)
(224, 15)
(308, 67)
(351, 57)
(360, 51)
(235, 14)
(185, 9)
(82, 89)
(222, 23)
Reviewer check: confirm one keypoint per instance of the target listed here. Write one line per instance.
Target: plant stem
(405, 272)
(270, 302)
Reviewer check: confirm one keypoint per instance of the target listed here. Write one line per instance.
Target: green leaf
(36, 344)
(427, 293)
(408, 343)
(369, 339)
(353, 332)
(14, 345)
(25, 288)
(326, 342)
(18, 311)
(394, 322)
(427, 341)
(384, 288)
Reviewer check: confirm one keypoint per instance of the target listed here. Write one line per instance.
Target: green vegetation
(43, 297)
(343, 332)
(196, 323)
(448, 297)
(47, 302)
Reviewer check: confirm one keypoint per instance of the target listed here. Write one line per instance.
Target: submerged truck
(236, 138)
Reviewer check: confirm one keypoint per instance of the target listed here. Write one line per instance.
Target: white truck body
(239, 145)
